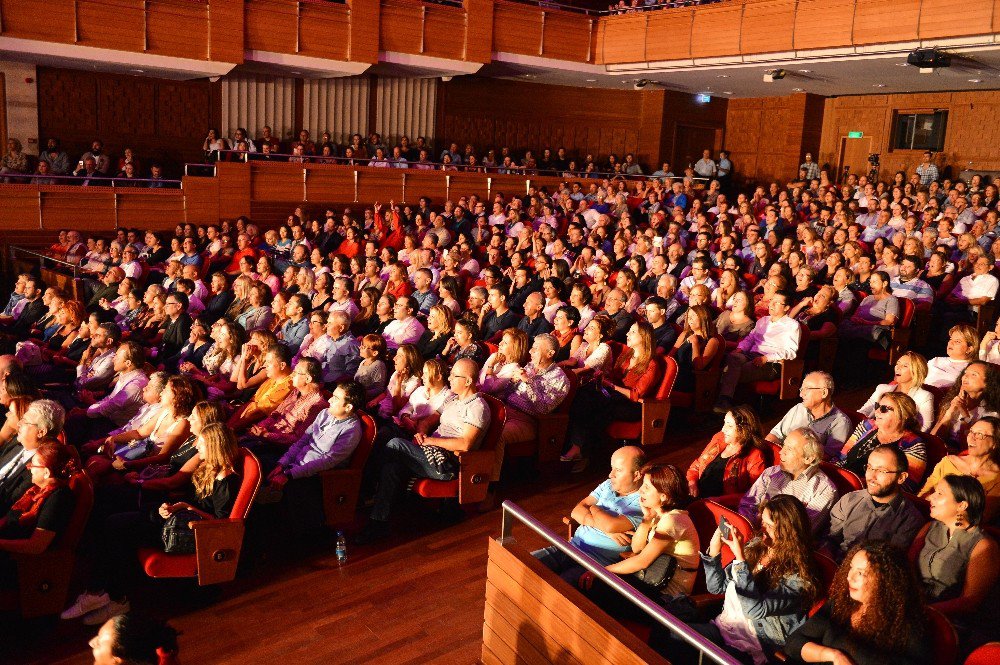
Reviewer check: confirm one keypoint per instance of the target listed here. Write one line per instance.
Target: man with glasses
(405, 329)
(614, 306)
(178, 329)
(817, 412)
(42, 420)
(462, 423)
(878, 512)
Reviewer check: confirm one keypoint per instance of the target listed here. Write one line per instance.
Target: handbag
(658, 573)
(135, 449)
(178, 536)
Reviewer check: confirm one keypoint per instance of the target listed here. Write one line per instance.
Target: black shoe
(723, 405)
(373, 532)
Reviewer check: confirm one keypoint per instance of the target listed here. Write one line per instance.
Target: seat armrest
(571, 525)
(551, 435)
(340, 495)
(474, 475)
(655, 413)
(218, 544)
(791, 378)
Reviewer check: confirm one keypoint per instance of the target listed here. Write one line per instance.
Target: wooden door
(690, 141)
(853, 157)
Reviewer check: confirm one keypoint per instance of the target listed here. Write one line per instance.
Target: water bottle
(341, 549)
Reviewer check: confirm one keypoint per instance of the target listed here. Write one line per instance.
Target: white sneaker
(85, 603)
(102, 614)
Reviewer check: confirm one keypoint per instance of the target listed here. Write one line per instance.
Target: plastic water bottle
(341, 549)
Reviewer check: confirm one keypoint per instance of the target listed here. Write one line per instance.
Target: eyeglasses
(882, 472)
(979, 436)
(884, 408)
(29, 465)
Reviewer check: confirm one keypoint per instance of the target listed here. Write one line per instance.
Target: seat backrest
(844, 480)
(574, 385)
(368, 430)
(498, 416)
(921, 504)
(827, 570)
(249, 468)
(617, 348)
(669, 376)
(906, 319)
(804, 333)
(943, 638)
(988, 654)
(83, 492)
(705, 514)
(936, 449)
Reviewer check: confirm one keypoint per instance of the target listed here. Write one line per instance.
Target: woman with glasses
(45, 509)
(981, 460)
(894, 422)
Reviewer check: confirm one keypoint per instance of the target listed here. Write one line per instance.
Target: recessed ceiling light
(727, 92)
(805, 71)
(796, 89)
(591, 80)
(902, 64)
(975, 80)
(722, 76)
(879, 85)
(139, 71)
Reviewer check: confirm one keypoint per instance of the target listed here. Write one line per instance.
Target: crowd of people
(185, 347)
(94, 167)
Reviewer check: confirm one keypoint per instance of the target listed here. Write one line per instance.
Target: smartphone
(725, 528)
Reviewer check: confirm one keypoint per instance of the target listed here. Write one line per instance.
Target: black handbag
(178, 536)
(657, 574)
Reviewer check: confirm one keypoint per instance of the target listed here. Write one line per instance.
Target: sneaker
(109, 611)
(85, 603)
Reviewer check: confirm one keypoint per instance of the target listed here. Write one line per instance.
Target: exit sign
(855, 135)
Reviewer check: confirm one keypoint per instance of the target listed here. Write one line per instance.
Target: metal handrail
(79, 178)
(75, 268)
(512, 512)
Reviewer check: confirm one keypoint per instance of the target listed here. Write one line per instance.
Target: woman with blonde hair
(440, 326)
(500, 368)
(963, 344)
(908, 378)
(894, 423)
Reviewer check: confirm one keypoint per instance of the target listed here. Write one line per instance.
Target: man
(328, 443)
(295, 329)
(614, 306)
(974, 290)
(28, 311)
(775, 337)
(705, 167)
(463, 422)
(43, 419)
(124, 400)
(425, 296)
(499, 316)
(102, 160)
(405, 329)
(222, 297)
(817, 412)
(198, 287)
(278, 369)
(909, 285)
(191, 256)
(605, 517)
(343, 355)
(878, 512)
(105, 287)
(927, 170)
(523, 285)
(130, 264)
(700, 274)
(810, 167)
(243, 248)
(178, 329)
(797, 474)
(664, 334)
(342, 301)
(96, 368)
(725, 171)
(534, 322)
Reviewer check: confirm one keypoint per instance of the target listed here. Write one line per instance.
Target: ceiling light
(796, 89)
(975, 80)
(727, 92)
(805, 71)
(138, 71)
(591, 80)
(902, 64)
(879, 85)
(722, 76)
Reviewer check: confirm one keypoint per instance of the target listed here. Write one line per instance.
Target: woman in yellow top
(981, 462)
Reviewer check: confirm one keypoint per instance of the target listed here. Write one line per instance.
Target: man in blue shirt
(604, 516)
(296, 327)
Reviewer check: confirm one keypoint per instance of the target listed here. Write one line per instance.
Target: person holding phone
(769, 586)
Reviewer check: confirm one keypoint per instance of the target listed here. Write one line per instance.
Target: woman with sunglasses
(894, 422)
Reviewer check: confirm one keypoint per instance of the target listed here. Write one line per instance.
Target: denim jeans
(401, 460)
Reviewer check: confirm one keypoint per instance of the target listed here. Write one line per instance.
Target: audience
(817, 412)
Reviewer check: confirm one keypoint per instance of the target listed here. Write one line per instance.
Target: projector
(772, 75)
(928, 59)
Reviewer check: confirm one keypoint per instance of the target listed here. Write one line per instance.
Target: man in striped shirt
(909, 285)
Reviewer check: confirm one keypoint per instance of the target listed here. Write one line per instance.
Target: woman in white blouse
(404, 380)
(963, 341)
(499, 369)
(908, 377)
(592, 353)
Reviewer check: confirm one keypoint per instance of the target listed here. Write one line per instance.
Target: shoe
(580, 465)
(571, 456)
(85, 603)
(109, 611)
(373, 532)
(723, 406)
(268, 495)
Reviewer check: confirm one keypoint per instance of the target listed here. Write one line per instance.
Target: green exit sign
(855, 135)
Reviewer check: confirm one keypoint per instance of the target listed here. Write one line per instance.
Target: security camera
(640, 84)
(772, 75)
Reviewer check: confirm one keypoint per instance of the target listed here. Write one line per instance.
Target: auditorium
(509, 332)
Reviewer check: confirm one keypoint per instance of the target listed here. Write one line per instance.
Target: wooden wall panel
(444, 32)
(517, 28)
(364, 37)
(622, 39)
(61, 209)
(326, 184)
(768, 26)
(114, 26)
(479, 30)
(324, 31)
(823, 23)
(20, 208)
(225, 30)
(275, 182)
(376, 184)
(938, 18)
(400, 26)
(716, 30)
(424, 183)
(45, 20)
(768, 136)
(234, 189)
(270, 25)
(677, 24)
(567, 36)
(881, 21)
(159, 210)
(178, 29)
(201, 200)
(162, 120)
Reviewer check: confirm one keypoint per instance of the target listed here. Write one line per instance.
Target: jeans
(560, 563)
(401, 460)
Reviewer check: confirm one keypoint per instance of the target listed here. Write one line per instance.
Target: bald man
(604, 516)
(462, 421)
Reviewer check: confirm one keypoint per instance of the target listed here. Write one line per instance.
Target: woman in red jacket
(733, 459)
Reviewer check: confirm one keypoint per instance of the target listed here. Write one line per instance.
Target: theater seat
(218, 542)
(551, 436)
(988, 654)
(943, 638)
(787, 385)
(900, 340)
(342, 486)
(705, 514)
(845, 481)
(706, 385)
(475, 468)
(652, 427)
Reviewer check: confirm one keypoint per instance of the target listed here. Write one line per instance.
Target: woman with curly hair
(874, 614)
(974, 395)
(734, 458)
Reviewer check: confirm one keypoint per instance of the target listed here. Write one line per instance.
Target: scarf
(30, 504)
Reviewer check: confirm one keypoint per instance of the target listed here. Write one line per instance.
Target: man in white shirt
(342, 301)
(705, 167)
(976, 289)
(776, 337)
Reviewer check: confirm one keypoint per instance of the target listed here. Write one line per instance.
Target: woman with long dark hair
(734, 458)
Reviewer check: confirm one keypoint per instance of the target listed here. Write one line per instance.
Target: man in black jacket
(179, 327)
(33, 310)
(42, 420)
(222, 298)
(105, 287)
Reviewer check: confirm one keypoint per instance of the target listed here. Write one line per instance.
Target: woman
(398, 284)
(425, 401)
(552, 289)
(975, 394)
(44, 511)
(450, 294)
(217, 365)
(193, 353)
(259, 314)
(265, 274)
(592, 355)
(566, 326)
(636, 374)
(729, 286)
(981, 461)
(500, 368)
(768, 588)
(666, 530)
(129, 639)
(736, 323)
(629, 285)
(440, 325)
(876, 315)
(321, 297)
(404, 380)
(958, 564)
(366, 321)
(938, 276)
(696, 346)
(465, 343)
(290, 419)
(580, 298)
(894, 423)
(371, 372)
(908, 377)
(963, 341)
(154, 441)
(734, 458)
(305, 280)
(17, 392)
(248, 370)
(316, 342)
(279, 311)
(874, 614)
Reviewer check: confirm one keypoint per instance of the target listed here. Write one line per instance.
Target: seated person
(342, 357)
(879, 511)
(666, 530)
(131, 638)
(175, 329)
(289, 420)
(463, 422)
(874, 614)
(371, 372)
(328, 443)
(664, 334)
(278, 369)
(734, 458)
(220, 359)
(798, 474)
(466, 342)
(736, 323)
(875, 316)
(962, 344)
(211, 494)
(500, 368)
(405, 328)
(404, 380)
(125, 399)
(42, 421)
(974, 395)
(958, 564)
(908, 376)
(769, 587)
(817, 412)
(980, 459)
(894, 424)
(605, 516)
(440, 326)
(592, 355)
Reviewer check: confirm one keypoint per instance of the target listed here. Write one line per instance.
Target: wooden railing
(754, 27)
(537, 31)
(440, 31)
(208, 30)
(314, 28)
(52, 207)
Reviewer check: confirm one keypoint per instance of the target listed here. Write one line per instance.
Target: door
(853, 157)
(689, 144)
